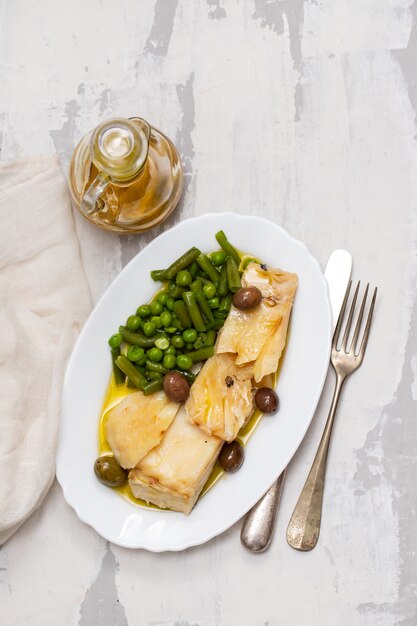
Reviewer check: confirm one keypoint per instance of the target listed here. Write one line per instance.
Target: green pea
(213, 303)
(162, 343)
(177, 341)
(170, 304)
(155, 355)
(149, 329)
(162, 298)
(188, 346)
(142, 360)
(144, 310)
(170, 330)
(133, 322)
(115, 340)
(156, 307)
(189, 335)
(218, 258)
(169, 361)
(184, 278)
(157, 321)
(166, 318)
(209, 290)
(199, 343)
(171, 350)
(135, 353)
(184, 362)
(177, 324)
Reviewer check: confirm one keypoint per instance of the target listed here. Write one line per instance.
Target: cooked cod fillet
(173, 474)
(221, 398)
(259, 335)
(137, 424)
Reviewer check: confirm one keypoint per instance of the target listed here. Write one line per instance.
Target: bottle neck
(120, 149)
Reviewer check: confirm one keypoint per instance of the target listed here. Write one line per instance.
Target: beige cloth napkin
(44, 299)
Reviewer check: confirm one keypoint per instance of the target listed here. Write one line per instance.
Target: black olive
(231, 456)
(109, 472)
(266, 400)
(176, 387)
(247, 298)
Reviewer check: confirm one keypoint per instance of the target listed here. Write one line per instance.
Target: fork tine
(341, 315)
(349, 320)
(359, 322)
(368, 325)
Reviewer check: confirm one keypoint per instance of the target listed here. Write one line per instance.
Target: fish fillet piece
(259, 335)
(173, 474)
(221, 398)
(137, 424)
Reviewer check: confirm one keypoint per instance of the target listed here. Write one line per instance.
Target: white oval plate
(274, 441)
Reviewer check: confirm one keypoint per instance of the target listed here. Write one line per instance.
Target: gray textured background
(303, 112)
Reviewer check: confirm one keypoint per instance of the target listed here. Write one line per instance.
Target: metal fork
(304, 527)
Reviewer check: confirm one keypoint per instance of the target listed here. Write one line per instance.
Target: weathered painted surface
(303, 112)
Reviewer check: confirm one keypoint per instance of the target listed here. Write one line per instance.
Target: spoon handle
(259, 523)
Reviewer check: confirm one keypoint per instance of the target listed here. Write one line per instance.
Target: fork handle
(259, 523)
(304, 526)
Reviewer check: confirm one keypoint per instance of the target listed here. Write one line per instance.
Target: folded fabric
(44, 299)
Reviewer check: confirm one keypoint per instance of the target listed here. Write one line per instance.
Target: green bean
(155, 385)
(233, 277)
(150, 375)
(155, 367)
(225, 304)
(227, 246)
(193, 311)
(193, 269)
(223, 287)
(211, 338)
(119, 377)
(136, 377)
(188, 375)
(197, 285)
(203, 306)
(180, 264)
(175, 291)
(208, 267)
(136, 339)
(180, 311)
(201, 355)
(158, 275)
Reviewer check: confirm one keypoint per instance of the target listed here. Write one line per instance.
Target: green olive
(109, 472)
